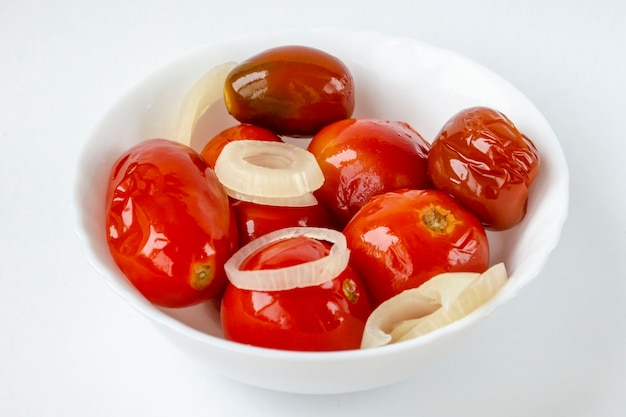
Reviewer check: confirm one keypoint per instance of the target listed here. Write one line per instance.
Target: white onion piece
(297, 276)
(305, 200)
(267, 169)
(206, 91)
(440, 301)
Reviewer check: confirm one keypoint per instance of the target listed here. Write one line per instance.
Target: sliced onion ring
(206, 91)
(440, 301)
(305, 200)
(297, 276)
(267, 169)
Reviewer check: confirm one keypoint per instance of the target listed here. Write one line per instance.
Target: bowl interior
(396, 79)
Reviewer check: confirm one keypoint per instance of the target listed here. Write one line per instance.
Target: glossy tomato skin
(255, 220)
(483, 160)
(326, 317)
(214, 146)
(402, 238)
(361, 158)
(291, 90)
(169, 226)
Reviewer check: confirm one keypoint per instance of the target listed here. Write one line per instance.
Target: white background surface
(69, 346)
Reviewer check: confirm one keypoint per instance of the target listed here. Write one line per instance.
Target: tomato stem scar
(202, 276)
(438, 220)
(349, 290)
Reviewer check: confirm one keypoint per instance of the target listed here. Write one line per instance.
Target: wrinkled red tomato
(255, 220)
(361, 158)
(401, 239)
(214, 146)
(330, 316)
(483, 160)
(168, 223)
(291, 90)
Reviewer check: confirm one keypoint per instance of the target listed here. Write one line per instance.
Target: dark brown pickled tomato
(290, 90)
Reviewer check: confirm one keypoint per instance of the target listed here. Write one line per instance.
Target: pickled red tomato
(402, 238)
(361, 158)
(214, 146)
(325, 317)
(169, 225)
(487, 164)
(255, 220)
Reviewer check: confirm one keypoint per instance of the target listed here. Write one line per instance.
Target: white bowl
(395, 78)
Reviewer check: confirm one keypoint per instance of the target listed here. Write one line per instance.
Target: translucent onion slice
(442, 300)
(249, 169)
(206, 91)
(297, 276)
(305, 200)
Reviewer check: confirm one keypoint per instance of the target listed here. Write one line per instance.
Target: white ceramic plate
(395, 78)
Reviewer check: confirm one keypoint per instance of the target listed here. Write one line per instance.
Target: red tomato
(361, 158)
(254, 220)
(214, 146)
(291, 90)
(327, 317)
(482, 159)
(401, 239)
(169, 225)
